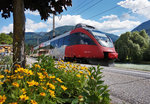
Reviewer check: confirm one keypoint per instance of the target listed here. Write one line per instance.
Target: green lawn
(145, 67)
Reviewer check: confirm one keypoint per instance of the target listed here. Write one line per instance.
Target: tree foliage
(146, 54)
(5, 39)
(17, 7)
(45, 7)
(131, 46)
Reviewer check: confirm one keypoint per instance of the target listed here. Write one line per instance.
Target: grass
(145, 67)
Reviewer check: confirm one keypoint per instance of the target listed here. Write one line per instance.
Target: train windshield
(103, 39)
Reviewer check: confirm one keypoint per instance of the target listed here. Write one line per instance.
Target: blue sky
(112, 16)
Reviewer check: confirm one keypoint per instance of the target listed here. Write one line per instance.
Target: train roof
(80, 25)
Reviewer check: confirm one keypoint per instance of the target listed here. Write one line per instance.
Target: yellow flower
(8, 76)
(41, 76)
(17, 65)
(51, 77)
(45, 73)
(6, 80)
(78, 75)
(37, 66)
(24, 91)
(2, 99)
(1, 76)
(15, 84)
(62, 61)
(23, 97)
(32, 83)
(20, 77)
(30, 72)
(89, 72)
(13, 103)
(52, 93)
(63, 87)
(1, 83)
(21, 70)
(51, 85)
(44, 88)
(6, 71)
(33, 102)
(83, 68)
(58, 79)
(81, 72)
(42, 94)
(43, 69)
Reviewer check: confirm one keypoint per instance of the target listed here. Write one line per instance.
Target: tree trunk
(19, 33)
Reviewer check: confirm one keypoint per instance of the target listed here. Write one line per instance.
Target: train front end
(106, 47)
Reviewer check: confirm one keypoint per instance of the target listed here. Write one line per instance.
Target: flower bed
(47, 82)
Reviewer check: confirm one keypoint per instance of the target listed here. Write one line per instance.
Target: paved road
(126, 86)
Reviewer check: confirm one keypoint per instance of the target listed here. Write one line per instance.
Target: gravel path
(128, 88)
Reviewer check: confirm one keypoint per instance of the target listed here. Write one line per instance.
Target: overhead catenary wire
(104, 11)
(82, 6)
(90, 6)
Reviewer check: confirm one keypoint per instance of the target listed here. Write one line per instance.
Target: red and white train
(82, 43)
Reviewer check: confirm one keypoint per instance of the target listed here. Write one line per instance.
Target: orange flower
(6, 71)
(33, 102)
(2, 99)
(24, 91)
(52, 93)
(42, 94)
(32, 83)
(78, 75)
(13, 103)
(1, 76)
(23, 97)
(59, 80)
(63, 87)
(15, 84)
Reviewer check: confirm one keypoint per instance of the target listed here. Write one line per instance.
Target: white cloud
(36, 13)
(110, 17)
(127, 16)
(141, 7)
(7, 29)
(112, 23)
(31, 26)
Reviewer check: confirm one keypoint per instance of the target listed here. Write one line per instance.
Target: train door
(68, 48)
(61, 48)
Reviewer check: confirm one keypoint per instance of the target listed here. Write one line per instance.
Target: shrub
(49, 82)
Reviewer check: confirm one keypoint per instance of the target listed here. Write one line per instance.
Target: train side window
(60, 42)
(63, 39)
(66, 40)
(56, 43)
(85, 39)
(75, 39)
(51, 45)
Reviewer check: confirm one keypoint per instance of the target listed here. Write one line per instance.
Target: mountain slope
(32, 37)
(63, 29)
(145, 26)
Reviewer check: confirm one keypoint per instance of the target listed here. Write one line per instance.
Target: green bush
(49, 82)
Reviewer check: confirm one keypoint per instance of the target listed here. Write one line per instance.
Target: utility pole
(38, 38)
(53, 25)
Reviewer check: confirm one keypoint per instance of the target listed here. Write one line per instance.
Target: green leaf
(75, 101)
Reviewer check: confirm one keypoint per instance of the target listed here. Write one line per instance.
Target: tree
(17, 7)
(146, 54)
(131, 46)
(5, 39)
